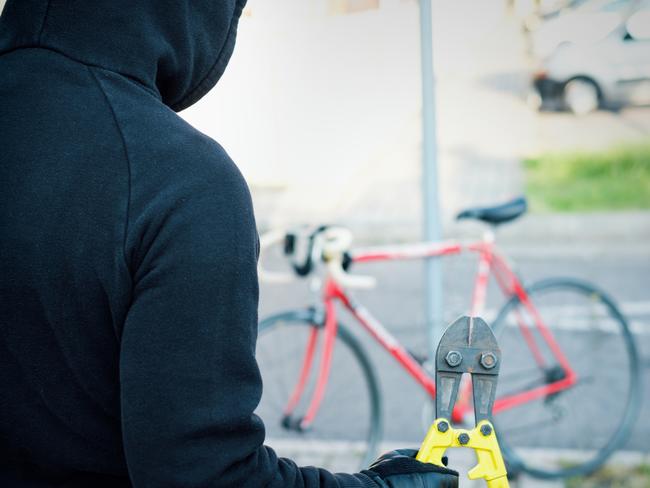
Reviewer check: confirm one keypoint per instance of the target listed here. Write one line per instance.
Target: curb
(343, 456)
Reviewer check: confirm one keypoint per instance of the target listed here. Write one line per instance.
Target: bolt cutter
(467, 346)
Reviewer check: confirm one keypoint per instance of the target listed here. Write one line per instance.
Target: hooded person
(128, 286)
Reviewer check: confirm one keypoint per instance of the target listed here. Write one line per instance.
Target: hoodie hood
(178, 48)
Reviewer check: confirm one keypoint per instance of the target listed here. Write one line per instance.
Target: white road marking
(637, 314)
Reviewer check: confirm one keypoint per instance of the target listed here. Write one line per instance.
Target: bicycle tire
(350, 357)
(632, 401)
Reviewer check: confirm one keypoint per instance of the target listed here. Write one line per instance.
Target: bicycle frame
(490, 263)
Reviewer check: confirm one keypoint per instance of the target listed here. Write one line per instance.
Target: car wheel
(581, 96)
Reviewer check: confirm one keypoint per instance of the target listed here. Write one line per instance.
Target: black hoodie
(128, 288)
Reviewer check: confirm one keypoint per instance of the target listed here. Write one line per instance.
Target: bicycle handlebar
(327, 244)
(337, 243)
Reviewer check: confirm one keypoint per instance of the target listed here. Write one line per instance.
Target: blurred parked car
(579, 21)
(611, 72)
(549, 9)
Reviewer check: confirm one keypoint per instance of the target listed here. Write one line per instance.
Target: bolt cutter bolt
(488, 360)
(463, 438)
(486, 430)
(454, 358)
(443, 426)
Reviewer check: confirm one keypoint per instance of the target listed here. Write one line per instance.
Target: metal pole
(431, 210)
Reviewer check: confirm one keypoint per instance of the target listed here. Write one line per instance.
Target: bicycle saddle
(498, 214)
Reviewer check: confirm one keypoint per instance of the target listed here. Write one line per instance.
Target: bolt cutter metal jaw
(467, 346)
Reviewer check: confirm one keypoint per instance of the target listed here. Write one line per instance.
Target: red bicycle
(570, 375)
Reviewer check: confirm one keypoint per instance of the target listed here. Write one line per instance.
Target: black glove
(399, 469)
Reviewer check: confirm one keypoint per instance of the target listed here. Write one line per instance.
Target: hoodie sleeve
(189, 379)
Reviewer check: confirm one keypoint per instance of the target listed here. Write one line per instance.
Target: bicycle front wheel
(573, 431)
(347, 428)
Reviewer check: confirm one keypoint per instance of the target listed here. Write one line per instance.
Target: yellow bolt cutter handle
(481, 438)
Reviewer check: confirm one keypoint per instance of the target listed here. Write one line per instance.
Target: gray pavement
(337, 457)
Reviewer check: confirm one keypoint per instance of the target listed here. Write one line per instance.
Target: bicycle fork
(329, 330)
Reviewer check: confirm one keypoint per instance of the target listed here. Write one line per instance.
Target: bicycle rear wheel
(571, 432)
(347, 428)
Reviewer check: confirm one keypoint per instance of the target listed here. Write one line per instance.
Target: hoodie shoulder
(161, 146)
(155, 136)
(171, 163)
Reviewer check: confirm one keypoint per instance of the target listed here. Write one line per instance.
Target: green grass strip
(614, 477)
(580, 181)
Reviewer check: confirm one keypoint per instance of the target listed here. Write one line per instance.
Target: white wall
(311, 102)
(322, 112)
